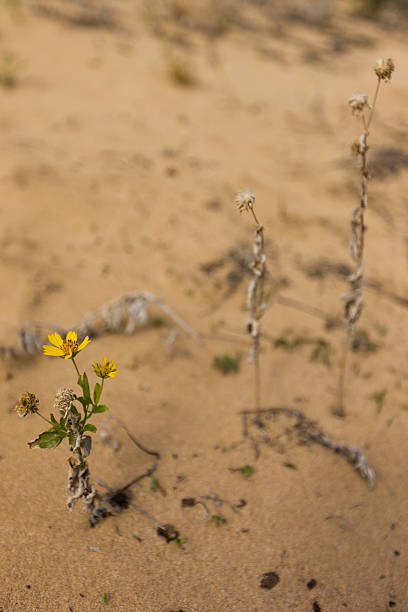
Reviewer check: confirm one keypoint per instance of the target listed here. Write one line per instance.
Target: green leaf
(85, 387)
(83, 401)
(47, 439)
(99, 409)
(79, 381)
(90, 427)
(53, 419)
(97, 392)
(58, 429)
(74, 410)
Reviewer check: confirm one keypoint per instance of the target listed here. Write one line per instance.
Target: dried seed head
(358, 103)
(63, 400)
(244, 200)
(384, 67)
(27, 404)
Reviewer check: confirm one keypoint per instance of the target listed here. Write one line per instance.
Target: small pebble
(269, 580)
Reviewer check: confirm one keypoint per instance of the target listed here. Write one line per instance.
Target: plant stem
(354, 298)
(255, 217)
(339, 410)
(82, 461)
(257, 378)
(370, 116)
(43, 417)
(256, 306)
(76, 367)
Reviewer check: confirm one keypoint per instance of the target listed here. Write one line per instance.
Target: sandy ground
(113, 177)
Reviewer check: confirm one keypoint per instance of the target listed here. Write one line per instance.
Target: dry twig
(306, 431)
(245, 201)
(353, 299)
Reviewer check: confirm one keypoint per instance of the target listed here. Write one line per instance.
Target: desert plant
(74, 412)
(245, 201)
(353, 299)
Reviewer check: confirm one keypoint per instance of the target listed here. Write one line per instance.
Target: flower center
(69, 347)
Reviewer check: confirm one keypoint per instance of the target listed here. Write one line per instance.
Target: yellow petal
(83, 343)
(55, 339)
(54, 351)
(71, 335)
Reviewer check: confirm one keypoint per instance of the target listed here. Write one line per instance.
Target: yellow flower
(106, 369)
(67, 348)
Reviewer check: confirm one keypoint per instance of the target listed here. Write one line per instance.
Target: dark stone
(188, 502)
(168, 532)
(311, 584)
(269, 580)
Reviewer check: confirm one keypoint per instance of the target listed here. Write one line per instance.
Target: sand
(113, 177)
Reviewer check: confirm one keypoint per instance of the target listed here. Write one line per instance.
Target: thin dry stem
(353, 299)
(256, 304)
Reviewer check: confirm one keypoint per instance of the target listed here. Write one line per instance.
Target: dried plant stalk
(245, 201)
(307, 431)
(122, 315)
(353, 299)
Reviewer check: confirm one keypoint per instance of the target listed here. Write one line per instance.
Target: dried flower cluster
(384, 67)
(63, 401)
(245, 201)
(358, 103)
(27, 404)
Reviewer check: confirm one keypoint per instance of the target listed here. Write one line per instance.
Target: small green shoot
(289, 341)
(157, 322)
(362, 342)
(226, 364)
(379, 399)
(156, 486)
(179, 541)
(218, 519)
(246, 470)
(321, 352)
(105, 598)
